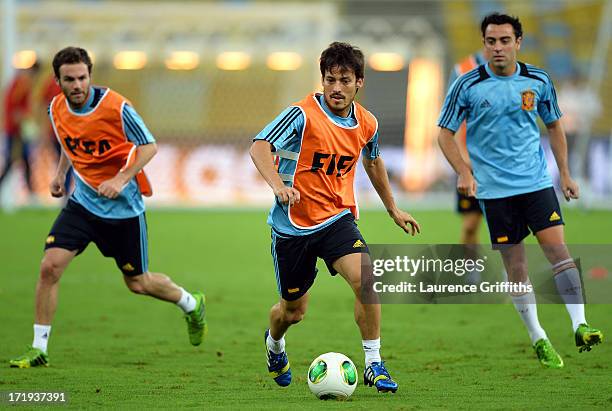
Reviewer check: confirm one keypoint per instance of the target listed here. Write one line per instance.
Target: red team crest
(528, 99)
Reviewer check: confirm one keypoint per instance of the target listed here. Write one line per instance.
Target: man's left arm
(375, 168)
(558, 144)
(550, 113)
(138, 133)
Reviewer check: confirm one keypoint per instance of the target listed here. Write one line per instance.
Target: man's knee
(356, 280)
(50, 270)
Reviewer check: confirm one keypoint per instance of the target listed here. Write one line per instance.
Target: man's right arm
(466, 184)
(56, 187)
(452, 115)
(280, 135)
(261, 153)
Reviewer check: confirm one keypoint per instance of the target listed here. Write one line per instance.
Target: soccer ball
(332, 376)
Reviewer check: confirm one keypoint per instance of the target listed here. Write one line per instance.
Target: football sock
(525, 305)
(276, 347)
(41, 337)
(187, 303)
(371, 348)
(570, 290)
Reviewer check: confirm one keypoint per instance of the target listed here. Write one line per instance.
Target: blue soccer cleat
(278, 365)
(377, 375)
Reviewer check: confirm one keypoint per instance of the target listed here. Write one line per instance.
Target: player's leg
(367, 317)
(345, 252)
(515, 262)
(546, 221)
(342, 247)
(471, 217)
(295, 270)
(569, 285)
(286, 313)
(156, 285)
(8, 157)
(26, 156)
(282, 315)
(52, 267)
(68, 236)
(126, 241)
(508, 228)
(470, 227)
(160, 286)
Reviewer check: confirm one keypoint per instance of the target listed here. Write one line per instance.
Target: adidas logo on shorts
(358, 244)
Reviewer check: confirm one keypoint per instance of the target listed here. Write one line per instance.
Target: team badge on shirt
(528, 99)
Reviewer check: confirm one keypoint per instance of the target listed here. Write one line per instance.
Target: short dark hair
(498, 19)
(343, 56)
(71, 55)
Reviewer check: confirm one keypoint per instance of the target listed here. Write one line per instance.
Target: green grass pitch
(112, 349)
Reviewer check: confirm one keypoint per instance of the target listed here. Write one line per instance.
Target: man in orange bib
(318, 141)
(18, 114)
(107, 144)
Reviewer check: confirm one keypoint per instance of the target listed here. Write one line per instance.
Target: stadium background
(207, 76)
(110, 349)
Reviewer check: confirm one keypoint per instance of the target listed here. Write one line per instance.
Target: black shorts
(295, 257)
(467, 204)
(124, 239)
(510, 218)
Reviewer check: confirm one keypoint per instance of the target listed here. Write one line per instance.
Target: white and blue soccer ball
(332, 376)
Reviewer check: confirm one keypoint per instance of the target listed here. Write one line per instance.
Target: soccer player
(467, 207)
(18, 112)
(318, 141)
(107, 144)
(500, 101)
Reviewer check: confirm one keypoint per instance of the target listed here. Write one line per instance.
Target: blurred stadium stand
(205, 106)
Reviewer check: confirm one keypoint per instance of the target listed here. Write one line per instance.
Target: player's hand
(570, 188)
(405, 221)
(287, 195)
(56, 187)
(113, 187)
(466, 185)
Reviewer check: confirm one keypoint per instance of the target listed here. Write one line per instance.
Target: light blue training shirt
(503, 138)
